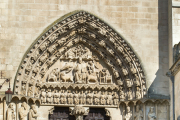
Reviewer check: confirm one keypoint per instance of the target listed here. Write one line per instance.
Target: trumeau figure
(128, 115)
(96, 98)
(23, 111)
(103, 98)
(76, 98)
(33, 113)
(70, 97)
(138, 115)
(43, 96)
(10, 112)
(56, 97)
(151, 114)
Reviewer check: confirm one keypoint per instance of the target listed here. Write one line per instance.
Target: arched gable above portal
(52, 63)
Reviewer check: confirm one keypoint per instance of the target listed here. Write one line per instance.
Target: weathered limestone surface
(22, 21)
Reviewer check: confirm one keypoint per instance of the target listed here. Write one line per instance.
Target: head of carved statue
(137, 108)
(151, 109)
(33, 107)
(128, 109)
(24, 105)
(10, 105)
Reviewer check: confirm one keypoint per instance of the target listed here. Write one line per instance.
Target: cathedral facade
(85, 60)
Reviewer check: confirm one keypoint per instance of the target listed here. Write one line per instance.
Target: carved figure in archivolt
(96, 98)
(10, 112)
(33, 113)
(23, 89)
(43, 96)
(23, 111)
(128, 115)
(138, 115)
(56, 97)
(30, 91)
(151, 114)
(70, 97)
(37, 92)
(138, 93)
(129, 94)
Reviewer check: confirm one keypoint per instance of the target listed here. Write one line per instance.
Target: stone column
(4, 109)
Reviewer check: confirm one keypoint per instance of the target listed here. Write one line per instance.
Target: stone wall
(142, 23)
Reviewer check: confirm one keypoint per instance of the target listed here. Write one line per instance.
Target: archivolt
(83, 28)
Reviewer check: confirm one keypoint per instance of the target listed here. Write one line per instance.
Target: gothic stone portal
(81, 61)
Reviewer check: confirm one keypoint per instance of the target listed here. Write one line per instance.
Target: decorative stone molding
(80, 53)
(78, 112)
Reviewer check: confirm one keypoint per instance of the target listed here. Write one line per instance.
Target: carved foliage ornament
(80, 43)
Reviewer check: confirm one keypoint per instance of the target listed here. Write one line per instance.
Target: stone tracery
(79, 51)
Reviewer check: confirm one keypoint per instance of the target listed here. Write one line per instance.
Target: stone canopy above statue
(81, 53)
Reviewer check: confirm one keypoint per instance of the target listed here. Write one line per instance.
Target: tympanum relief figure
(30, 91)
(49, 95)
(10, 114)
(53, 75)
(33, 113)
(151, 114)
(116, 98)
(138, 115)
(82, 98)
